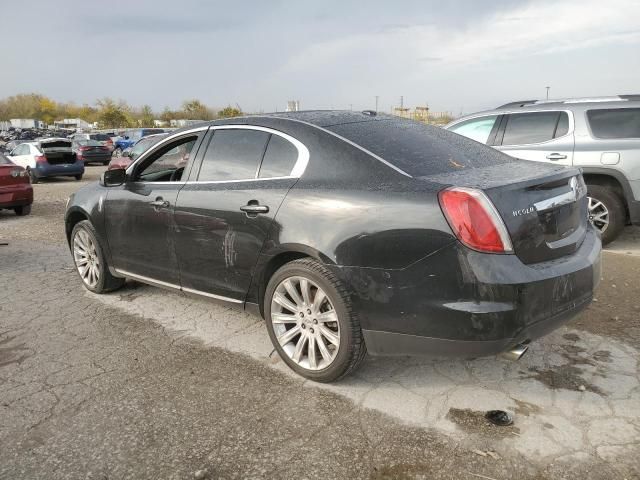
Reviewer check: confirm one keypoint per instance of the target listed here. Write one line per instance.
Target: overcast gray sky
(456, 56)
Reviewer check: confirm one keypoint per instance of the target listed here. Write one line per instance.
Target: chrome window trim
(206, 182)
(160, 283)
(353, 144)
(296, 172)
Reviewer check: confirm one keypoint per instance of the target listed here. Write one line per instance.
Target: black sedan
(348, 232)
(91, 151)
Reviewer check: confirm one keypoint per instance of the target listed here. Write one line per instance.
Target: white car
(51, 157)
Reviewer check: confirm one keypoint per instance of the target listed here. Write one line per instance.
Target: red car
(16, 192)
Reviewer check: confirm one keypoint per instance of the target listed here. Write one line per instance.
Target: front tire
(606, 212)
(22, 210)
(78, 177)
(91, 263)
(312, 323)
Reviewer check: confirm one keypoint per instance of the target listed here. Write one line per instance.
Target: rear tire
(88, 255)
(22, 210)
(78, 177)
(334, 338)
(606, 212)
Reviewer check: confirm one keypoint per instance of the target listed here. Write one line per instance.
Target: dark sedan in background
(347, 232)
(91, 151)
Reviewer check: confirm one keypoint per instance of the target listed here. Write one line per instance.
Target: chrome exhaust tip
(514, 354)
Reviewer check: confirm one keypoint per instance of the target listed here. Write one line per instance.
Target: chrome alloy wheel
(598, 214)
(86, 258)
(305, 323)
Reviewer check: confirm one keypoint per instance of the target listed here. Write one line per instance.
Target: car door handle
(160, 203)
(556, 156)
(254, 209)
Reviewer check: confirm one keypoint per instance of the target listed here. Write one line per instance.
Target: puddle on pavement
(472, 421)
(566, 377)
(525, 408)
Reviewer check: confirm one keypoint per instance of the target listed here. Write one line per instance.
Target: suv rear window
(419, 149)
(615, 122)
(534, 127)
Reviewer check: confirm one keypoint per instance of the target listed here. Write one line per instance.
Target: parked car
(131, 137)
(133, 152)
(91, 151)
(52, 157)
(16, 192)
(599, 135)
(103, 139)
(9, 146)
(347, 232)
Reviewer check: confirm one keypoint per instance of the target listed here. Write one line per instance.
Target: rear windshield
(99, 136)
(90, 143)
(615, 122)
(56, 144)
(419, 149)
(5, 161)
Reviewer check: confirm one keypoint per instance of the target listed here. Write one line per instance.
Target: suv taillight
(40, 159)
(474, 220)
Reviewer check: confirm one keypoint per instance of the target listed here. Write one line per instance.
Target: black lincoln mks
(348, 232)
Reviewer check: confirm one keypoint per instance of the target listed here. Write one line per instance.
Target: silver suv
(600, 135)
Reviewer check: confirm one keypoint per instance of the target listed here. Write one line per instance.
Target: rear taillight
(19, 172)
(474, 220)
(84, 149)
(41, 159)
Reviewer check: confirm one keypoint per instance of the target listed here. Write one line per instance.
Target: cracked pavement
(145, 383)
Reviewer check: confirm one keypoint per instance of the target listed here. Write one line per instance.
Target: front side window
(534, 127)
(615, 122)
(477, 129)
(279, 158)
(233, 154)
(167, 164)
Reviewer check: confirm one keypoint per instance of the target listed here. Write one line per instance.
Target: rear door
(540, 136)
(224, 213)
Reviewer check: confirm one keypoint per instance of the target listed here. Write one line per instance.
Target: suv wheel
(606, 212)
(90, 261)
(311, 321)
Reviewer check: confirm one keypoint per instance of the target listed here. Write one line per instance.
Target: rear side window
(233, 155)
(615, 122)
(477, 129)
(535, 127)
(279, 158)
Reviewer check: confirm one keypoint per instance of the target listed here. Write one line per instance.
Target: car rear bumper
(105, 158)
(65, 169)
(16, 195)
(458, 302)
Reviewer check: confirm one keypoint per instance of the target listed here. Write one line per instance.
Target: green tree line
(109, 113)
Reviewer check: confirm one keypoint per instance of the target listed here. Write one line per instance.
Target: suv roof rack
(612, 98)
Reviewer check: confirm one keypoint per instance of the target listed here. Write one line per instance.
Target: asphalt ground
(145, 383)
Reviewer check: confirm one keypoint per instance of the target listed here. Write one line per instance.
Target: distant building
(159, 123)
(293, 106)
(26, 123)
(76, 123)
(184, 123)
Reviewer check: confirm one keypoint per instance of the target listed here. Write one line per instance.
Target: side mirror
(113, 178)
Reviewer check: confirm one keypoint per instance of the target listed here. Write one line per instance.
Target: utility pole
(351, 106)
(377, 97)
(401, 102)
(547, 92)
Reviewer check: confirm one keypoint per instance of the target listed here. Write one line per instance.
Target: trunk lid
(8, 177)
(544, 207)
(58, 151)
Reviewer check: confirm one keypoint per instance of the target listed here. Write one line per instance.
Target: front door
(224, 215)
(139, 214)
(538, 136)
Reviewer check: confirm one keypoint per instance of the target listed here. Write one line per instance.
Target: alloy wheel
(86, 258)
(598, 214)
(305, 323)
